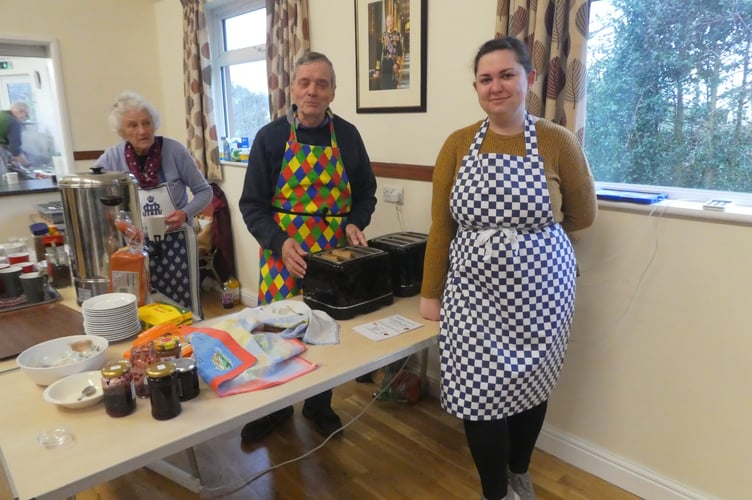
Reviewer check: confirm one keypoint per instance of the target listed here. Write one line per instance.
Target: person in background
(11, 129)
(165, 171)
(309, 186)
(499, 271)
(391, 56)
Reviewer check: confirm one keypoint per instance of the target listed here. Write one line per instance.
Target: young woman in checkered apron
(500, 270)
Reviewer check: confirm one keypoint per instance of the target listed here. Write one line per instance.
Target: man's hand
(355, 236)
(293, 257)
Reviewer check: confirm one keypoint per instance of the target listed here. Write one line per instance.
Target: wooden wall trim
(392, 170)
(86, 155)
(403, 171)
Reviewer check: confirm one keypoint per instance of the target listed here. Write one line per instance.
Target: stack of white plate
(113, 316)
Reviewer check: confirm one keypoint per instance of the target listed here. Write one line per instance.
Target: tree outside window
(670, 93)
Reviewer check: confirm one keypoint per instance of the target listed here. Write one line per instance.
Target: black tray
(50, 295)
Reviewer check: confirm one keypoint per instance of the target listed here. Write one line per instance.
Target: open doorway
(30, 74)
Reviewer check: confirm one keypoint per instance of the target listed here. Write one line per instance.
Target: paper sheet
(388, 327)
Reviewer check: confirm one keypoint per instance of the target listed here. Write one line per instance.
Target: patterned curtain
(199, 109)
(556, 33)
(287, 38)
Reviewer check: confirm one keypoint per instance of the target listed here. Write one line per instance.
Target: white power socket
(393, 194)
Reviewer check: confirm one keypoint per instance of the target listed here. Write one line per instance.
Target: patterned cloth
(509, 296)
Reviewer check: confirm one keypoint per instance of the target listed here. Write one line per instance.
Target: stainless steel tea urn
(91, 203)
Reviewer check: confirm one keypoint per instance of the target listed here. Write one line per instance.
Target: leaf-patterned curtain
(199, 109)
(287, 38)
(556, 33)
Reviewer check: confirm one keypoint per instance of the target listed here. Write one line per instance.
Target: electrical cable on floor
(219, 491)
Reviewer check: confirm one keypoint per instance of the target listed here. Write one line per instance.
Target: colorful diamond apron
(509, 297)
(174, 267)
(312, 201)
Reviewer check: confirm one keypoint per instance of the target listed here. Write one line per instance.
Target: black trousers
(319, 402)
(498, 444)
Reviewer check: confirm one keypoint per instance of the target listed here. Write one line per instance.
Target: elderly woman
(165, 171)
(155, 161)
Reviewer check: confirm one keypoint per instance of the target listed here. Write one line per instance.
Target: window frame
(216, 12)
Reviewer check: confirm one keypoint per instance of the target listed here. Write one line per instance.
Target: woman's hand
(355, 236)
(430, 308)
(293, 257)
(174, 220)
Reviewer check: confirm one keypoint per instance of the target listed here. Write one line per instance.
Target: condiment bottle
(163, 390)
(142, 356)
(226, 295)
(167, 347)
(234, 286)
(188, 387)
(119, 391)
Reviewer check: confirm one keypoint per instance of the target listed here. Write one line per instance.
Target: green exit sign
(6, 65)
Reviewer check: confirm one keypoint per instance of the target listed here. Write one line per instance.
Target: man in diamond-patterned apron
(309, 186)
(500, 271)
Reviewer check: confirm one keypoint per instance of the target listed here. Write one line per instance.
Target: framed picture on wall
(390, 56)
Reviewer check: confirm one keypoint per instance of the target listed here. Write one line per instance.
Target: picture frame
(390, 56)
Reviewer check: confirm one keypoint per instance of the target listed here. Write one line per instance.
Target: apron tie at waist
(323, 213)
(484, 239)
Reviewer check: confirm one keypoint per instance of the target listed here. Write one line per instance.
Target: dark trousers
(318, 402)
(498, 444)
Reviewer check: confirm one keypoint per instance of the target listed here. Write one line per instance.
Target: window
(238, 49)
(670, 93)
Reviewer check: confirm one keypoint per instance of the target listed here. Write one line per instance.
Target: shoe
(522, 485)
(259, 429)
(325, 421)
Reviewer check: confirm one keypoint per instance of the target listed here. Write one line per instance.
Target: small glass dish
(55, 438)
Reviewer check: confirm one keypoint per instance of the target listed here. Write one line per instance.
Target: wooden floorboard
(393, 451)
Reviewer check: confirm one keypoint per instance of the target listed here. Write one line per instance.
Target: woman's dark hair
(521, 53)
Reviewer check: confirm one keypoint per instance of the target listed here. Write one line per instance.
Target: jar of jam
(187, 378)
(167, 347)
(163, 390)
(119, 391)
(142, 356)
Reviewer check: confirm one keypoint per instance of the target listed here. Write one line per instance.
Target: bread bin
(406, 251)
(347, 281)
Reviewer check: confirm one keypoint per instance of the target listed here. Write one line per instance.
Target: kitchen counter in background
(26, 187)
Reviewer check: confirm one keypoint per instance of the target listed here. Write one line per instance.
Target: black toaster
(347, 281)
(406, 251)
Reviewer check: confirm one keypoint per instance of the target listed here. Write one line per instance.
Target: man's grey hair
(310, 57)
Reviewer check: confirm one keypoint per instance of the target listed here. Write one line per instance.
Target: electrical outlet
(393, 194)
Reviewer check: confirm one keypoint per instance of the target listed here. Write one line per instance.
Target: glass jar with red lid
(167, 347)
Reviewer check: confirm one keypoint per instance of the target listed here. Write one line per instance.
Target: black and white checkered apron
(509, 297)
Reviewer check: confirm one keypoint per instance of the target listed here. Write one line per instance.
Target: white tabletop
(105, 448)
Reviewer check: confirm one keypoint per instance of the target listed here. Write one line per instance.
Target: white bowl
(66, 391)
(49, 361)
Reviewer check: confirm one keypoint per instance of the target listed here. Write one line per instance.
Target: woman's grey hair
(310, 57)
(130, 101)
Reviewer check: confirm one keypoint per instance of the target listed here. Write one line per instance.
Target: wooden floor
(393, 451)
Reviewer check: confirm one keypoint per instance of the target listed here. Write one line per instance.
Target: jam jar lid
(166, 342)
(184, 364)
(160, 370)
(116, 368)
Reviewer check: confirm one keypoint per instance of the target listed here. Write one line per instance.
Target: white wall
(654, 393)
